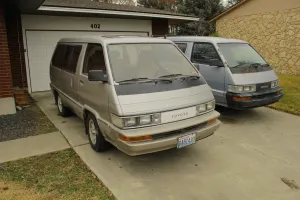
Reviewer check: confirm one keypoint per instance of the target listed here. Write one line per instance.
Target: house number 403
(95, 26)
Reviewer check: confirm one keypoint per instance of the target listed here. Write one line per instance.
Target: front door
(202, 55)
(94, 94)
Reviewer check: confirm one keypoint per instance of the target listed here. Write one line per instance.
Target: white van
(240, 78)
(140, 94)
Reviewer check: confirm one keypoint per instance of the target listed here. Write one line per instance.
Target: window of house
(203, 53)
(182, 46)
(94, 59)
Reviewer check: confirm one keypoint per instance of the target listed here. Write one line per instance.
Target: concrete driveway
(254, 155)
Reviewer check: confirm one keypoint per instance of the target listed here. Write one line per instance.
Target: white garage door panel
(40, 47)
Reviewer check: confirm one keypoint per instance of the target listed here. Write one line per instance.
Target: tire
(97, 141)
(62, 110)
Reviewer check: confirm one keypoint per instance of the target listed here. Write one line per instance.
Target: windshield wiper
(239, 65)
(144, 80)
(133, 80)
(170, 75)
(181, 76)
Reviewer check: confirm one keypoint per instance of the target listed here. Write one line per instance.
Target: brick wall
(16, 48)
(5, 70)
(276, 36)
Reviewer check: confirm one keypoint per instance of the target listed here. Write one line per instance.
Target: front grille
(178, 132)
(263, 87)
(263, 96)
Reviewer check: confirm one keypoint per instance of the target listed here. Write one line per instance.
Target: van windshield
(141, 61)
(240, 55)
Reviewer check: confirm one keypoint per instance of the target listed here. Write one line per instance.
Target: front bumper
(165, 136)
(258, 99)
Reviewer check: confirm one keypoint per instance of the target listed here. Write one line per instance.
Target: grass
(61, 176)
(290, 102)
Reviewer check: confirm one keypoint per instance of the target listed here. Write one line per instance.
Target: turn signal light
(135, 139)
(278, 92)
(241, 98)
(211, 121)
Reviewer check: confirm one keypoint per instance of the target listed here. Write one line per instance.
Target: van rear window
(71, 58)
(58, 57)
(66, 57)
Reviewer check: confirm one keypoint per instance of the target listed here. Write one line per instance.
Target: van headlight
(241, 88)
(274, 84)
(202, 108)
(136, 121)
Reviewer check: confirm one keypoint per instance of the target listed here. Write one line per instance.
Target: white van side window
(182, 46)
(66, 57)
(58, 57)
(203, 53)
(71, 58)
(94, 59)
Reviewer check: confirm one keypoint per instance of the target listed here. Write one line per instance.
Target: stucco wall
(276, 35)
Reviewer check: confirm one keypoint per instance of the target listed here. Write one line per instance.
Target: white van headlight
(136, 121)
(274, 84)
(202, 108)
(241, 88)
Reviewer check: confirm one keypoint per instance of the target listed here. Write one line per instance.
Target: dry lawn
(15, 191)
(59, 176)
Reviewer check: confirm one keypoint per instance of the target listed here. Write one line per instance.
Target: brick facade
(6, 87)
(16, 48)
(276, 36)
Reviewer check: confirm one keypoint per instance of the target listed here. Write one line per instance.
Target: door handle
(81, 82)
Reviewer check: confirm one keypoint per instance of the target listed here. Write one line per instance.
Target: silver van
(140, 94)
(240, 78)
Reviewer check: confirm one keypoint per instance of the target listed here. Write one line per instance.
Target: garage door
(40, 46)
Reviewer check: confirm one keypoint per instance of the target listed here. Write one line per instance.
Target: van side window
(58, 57)
(94, 59)
(70, 58)
(203, 53)
(182, 46)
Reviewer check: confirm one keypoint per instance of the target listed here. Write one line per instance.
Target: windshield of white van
(144, 61)
(240, 55)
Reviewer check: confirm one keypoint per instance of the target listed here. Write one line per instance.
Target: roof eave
(227, 11)
(115, 12)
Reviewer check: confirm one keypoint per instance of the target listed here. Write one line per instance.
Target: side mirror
(97, 75)
(216, 62)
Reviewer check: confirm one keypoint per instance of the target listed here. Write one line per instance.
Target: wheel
(97, 141)
(62, 110)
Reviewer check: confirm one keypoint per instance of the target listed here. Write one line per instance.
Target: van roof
(203, 39)
(109, 39)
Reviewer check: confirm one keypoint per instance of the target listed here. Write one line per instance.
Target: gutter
(114, 12)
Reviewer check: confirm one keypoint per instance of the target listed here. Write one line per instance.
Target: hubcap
(92, 131)
(59, 104)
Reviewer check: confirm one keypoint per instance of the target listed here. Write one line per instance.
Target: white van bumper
(166, 136)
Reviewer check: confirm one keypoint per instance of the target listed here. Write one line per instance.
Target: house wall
(252, 7)
(275, 32)
(7, 105)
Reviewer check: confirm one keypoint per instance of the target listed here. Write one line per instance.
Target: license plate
(186, 140)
